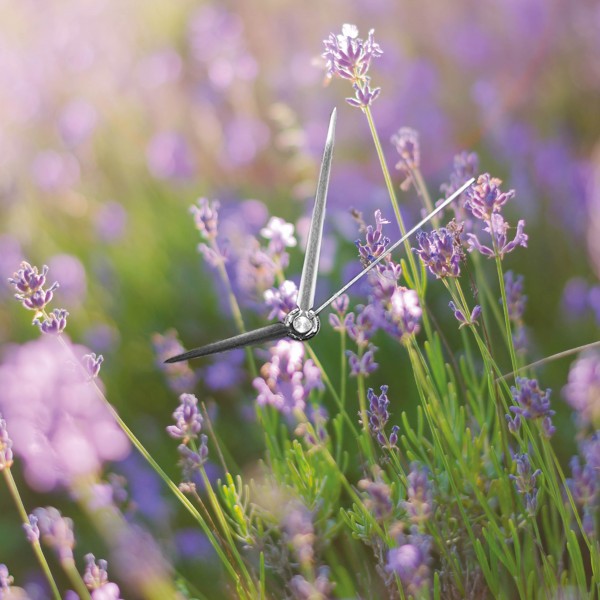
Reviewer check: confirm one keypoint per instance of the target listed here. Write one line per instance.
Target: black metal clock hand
(258, 336)
(395, 245)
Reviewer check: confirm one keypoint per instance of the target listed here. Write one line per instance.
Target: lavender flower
(29, 284)
(54, 323)
(314, 430)
(525, 482)
(497, 227)
(56, 531)
(73, 430)
(515, 298)
(349, 57)
(419, 490)
(5, 581)
(282, 300)
(180, 376)
(92, 364)
(363, 364)
(532, 403)
(32, 531)
(403, 317)
(378, 413)
(187, 418)
(206, 218)
(96, 580)
(441, 252)
(465, 166)
(286, 381)
(299, 531)
(485, 199)
(410, 562)
(585, 483)
(6, 454)
(191, 461)
(280, 235)
(362, 327)
(320, 589)
(378, 499)
(340, 320)
(582, 391)
(461, 317)
(375, 242)
(407, 145)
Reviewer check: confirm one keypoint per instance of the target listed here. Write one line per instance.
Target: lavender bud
(206, 217)
(56, 531)
(407, 145)
(6, 453)
(533, 403)
(32, 531)
(54, 323)
(187, 418)
(92, 364)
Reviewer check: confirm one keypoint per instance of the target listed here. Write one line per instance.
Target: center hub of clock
(303, 324)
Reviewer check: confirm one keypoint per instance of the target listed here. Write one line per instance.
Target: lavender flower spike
(32, 531)
(407, 145)
(206, 218)
(6, 453)
(460, 316)
(525, 482)
(5, 581)
(441, 251)
(532, 403)
(92, 364)
(54, 323)
(187, 418)
(410, 562)
(497, 227)
(56, 531)
(485, 198)
(29, 282)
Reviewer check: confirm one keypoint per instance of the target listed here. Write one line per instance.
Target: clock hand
(395, 245)
(258, 336)
(308, 280)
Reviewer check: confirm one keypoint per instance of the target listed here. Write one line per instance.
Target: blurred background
(115, 116)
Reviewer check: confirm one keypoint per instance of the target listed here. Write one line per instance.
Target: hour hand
(258, 336)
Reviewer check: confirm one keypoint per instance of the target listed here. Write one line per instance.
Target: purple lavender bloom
(466, 165)
(282, 300)
(362, 327)
(191, 461)
(187, 418)
(378, 412)
(314, 430)
(299, 531)
(180, 376)
(378, 499)
(5, 581)
(64, 432)
(54, 323)
(6, 454)
(362, 365)
(485, 198)
(320, 588)
(419, 503)
(525, 482)
(169, 157)
(516, 300)
(280, 235)
(532, 403)
(95, 578)
(582, 391)
(403, 316)
(340, 320)
(29, 284)
(349, 57)
(110, 222)
(92, 364)
(460, 316)
(32, 531)
(286, 381)
(407, 145)
(56, 531)
(441, 252)
(375, 242)
(585, 483)
(206, 217)
(497, 227)
(255, 270)
(410, 562)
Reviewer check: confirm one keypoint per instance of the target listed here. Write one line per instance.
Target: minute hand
(396, 244)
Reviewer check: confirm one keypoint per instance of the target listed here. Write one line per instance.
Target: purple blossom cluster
(378, 415)
(6, 453)
(29, 284)
(462, 318)
(188, 424)
(440, 251)
(406, 141)
(465, 166)
(530, 403)
(377, 498)
(282, 300)
(96, 580)
(525, 482)
(516, 302)
(321, 587)
(55, 531)
(299, 531)
(582, 390)
(485, 200)
(64, 431)
(287, 379)
(584, 483)
(419, 491)
(410, 561)
(349, 57)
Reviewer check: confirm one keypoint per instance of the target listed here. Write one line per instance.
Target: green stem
(37, 549)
